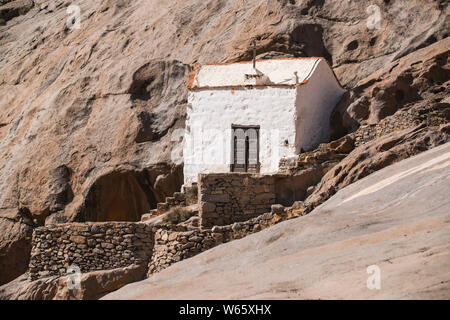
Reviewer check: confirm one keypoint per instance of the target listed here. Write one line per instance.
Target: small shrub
(177, 215)
(192, 195)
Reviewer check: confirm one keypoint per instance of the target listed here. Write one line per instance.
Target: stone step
(162, 207)
(170, 200)
(179, 196)
(153, 213)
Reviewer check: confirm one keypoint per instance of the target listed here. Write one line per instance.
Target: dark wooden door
(245, 149)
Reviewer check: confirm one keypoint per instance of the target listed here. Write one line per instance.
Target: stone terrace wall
(111, 245)
(226, 198)
(174, 246)
(90, 246)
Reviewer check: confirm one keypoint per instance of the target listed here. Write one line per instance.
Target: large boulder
(92, 285)
(16, 230)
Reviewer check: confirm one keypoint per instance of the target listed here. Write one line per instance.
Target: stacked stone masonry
(105, 246)
(89, 246)
(226, 198)
(188, 196)
(173, 246)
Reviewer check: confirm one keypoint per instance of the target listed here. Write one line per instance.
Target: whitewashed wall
(315, 103)
(207, 144)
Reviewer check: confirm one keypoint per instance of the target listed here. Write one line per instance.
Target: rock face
(93, 285)
(11, 9)
(89, 247)
(396, 219)
(381, 153)
(419, 77)
(91, 118)
(417, 123)
(96, 108)
(16, 229)
(22, 288)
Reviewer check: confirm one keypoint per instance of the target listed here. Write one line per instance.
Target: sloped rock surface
(396, 219)
(376, 155)
(22, 288)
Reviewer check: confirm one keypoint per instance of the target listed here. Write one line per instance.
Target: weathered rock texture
(93, 285)
(421, 77)
(16, 229)
(10, 9)
(413, 125)
(374, 156)
(227, 198)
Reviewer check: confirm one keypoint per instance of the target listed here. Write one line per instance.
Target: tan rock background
(87, 115)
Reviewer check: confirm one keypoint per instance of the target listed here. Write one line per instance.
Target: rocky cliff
(89, 115)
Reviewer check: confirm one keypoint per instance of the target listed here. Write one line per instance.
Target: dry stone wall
(89, 246)
(107, 246)
(226, 198)
(172, 246)
(188, 196)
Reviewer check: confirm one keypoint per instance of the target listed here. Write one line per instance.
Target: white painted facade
(291, 101)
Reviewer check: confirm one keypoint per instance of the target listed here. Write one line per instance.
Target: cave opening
(352, 45)
(119, 196)
(399, 96)
(124, 195)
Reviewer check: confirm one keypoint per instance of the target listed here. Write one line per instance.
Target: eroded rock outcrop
(16, 229)
(10, 9)
(376, 155)
(92, 285)
(420, 76)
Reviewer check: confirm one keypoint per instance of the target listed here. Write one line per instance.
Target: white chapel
(245, 117)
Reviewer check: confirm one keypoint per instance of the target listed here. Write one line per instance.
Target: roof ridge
(198, 66)
(262, 60)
